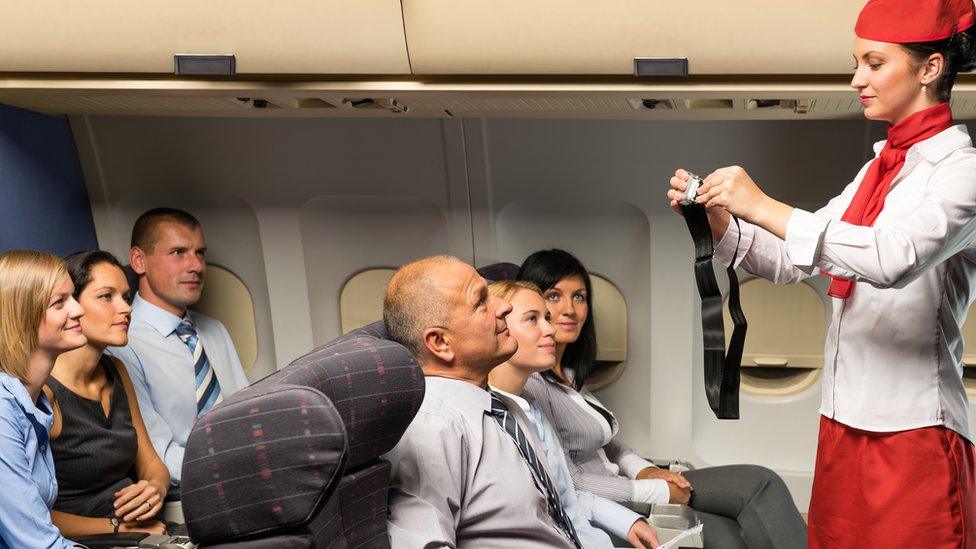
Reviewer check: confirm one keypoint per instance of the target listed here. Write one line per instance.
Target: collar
(40, 411)
(523, 404)
(162, 321)
(939, 146)
(461, 394)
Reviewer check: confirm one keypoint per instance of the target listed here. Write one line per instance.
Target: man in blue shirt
(181, 362)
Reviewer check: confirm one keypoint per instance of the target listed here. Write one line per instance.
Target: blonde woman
(529, 324)
(39, 320)
(109, 476)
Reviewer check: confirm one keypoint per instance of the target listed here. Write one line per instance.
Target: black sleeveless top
(94, 455)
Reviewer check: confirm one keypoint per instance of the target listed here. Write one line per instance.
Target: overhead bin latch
(660, 66)
(204, 65)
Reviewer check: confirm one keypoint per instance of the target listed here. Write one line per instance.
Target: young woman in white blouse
(895, 465)
(529, 325)
(742, 506)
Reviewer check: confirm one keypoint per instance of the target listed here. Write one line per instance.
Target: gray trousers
(747, 507)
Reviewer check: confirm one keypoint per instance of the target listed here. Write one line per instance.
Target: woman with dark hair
(899, 243)
(741, 505)
(110, 478)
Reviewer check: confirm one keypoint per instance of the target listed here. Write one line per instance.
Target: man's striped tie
(207, 386)
(507, 421)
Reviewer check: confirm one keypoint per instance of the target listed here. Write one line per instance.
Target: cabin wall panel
(316, 200)
(287, 172)
(40, 178)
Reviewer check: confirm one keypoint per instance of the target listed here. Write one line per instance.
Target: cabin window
(226, 298)
(610, 312)
(361, 300)
(783, 352)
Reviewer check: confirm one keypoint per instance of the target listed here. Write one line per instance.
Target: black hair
(959, 52)
(545, 269)
(144, 231)
(80, 265)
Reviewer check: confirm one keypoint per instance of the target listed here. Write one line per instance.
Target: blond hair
(28, 278)
(506, 289)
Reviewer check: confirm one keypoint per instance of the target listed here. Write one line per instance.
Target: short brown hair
(28, 278)
(145, 233)
(506, 289)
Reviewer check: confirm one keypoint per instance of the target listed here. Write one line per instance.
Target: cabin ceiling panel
(295, 37)
(553, 37)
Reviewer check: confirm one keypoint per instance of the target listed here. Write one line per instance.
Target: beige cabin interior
(355, 136)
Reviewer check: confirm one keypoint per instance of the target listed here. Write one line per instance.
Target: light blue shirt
(28, 486)
(161, 368)
(586, 510)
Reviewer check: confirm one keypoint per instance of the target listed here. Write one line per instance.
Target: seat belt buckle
(691, 193)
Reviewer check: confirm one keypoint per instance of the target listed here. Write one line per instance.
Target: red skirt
(905, 489)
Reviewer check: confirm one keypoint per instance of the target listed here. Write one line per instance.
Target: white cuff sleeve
(652, 490)
(804, 238)
(631, 464)
(613, 517)
(735, 243)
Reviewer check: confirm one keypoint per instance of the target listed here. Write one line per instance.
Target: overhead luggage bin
(294, 37)
(516, 37)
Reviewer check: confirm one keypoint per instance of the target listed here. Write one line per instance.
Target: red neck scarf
(870, 196)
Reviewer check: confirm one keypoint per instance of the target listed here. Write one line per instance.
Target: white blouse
(893, 352)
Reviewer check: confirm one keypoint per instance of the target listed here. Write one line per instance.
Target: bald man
(465, 472)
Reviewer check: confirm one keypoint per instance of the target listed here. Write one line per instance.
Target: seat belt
(721, 367)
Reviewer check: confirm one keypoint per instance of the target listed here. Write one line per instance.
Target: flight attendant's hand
(642, 535)
(733, 190)
(718, 218)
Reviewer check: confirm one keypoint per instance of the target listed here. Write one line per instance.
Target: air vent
(313, 103)
(771, 104)
(798, 106)
(387, 104)
(692, 104)
(257, 103)
(652, 104)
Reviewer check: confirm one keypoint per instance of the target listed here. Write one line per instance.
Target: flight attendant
(895, 461)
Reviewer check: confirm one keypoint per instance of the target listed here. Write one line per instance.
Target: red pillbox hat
(905, 21)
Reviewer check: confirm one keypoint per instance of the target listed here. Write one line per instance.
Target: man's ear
(137, 260)
(437, 343)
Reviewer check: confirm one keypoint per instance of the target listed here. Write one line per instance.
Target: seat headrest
(375, 383)
(499, 271)
(264, 459)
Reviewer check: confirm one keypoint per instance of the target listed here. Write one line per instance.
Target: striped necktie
(507, 422)
(207, 386)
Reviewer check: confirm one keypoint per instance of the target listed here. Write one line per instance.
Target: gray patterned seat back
(293, 460)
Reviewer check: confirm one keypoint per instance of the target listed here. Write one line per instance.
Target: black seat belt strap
(721, 367)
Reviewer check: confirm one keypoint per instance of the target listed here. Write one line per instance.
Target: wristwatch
(115, 524)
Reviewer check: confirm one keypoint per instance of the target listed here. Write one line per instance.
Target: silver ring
(149, 504)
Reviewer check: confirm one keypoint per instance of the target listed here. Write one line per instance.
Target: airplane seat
(294, 460)
(499, 271)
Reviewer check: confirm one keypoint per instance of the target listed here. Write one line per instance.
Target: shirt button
(43, 448)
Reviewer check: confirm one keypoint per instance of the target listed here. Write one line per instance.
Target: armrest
(108, 541)
(676, 465)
